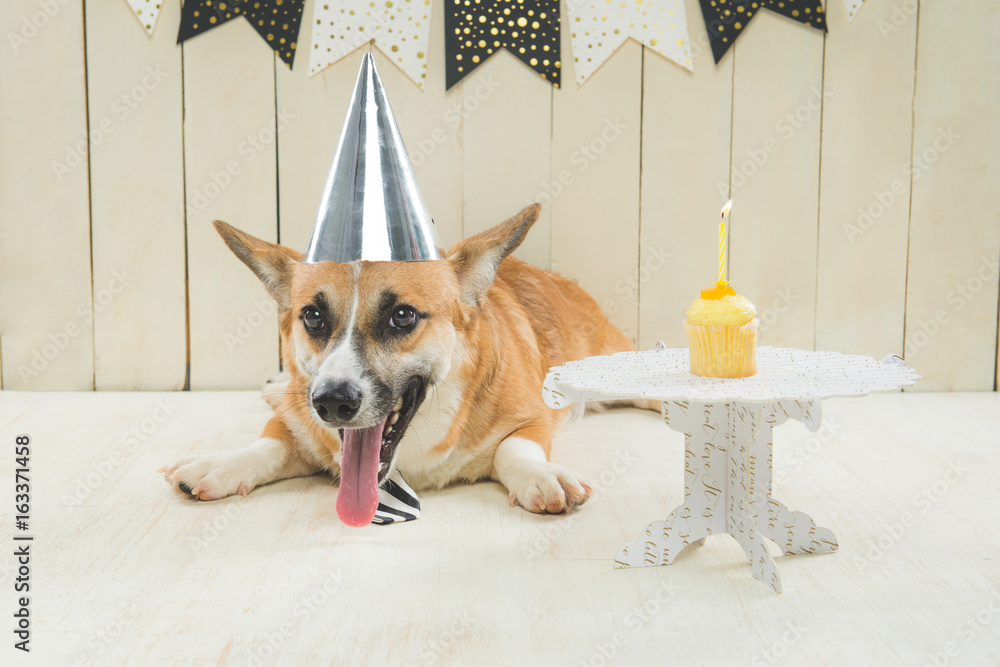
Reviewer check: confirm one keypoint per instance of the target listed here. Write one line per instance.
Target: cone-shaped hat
(371, 207)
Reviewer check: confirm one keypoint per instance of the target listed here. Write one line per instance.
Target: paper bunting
(725, 19)
(597, 30)
(475, 30)
(277, 21)
(146, 11)
(401, 30)
(852, 7)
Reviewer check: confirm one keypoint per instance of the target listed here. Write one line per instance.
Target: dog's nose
(338, 402)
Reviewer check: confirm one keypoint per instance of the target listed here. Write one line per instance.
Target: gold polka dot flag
(277, 21)
(852, 7)
(725, 19)
(476, 29)
(598, 27)
(401, 29)
(146, 11)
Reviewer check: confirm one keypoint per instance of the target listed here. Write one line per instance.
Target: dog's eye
(312, 320)
(403, 317)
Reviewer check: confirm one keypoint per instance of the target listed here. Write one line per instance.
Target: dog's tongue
(357, 499)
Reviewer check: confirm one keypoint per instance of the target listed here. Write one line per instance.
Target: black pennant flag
(725, 19)
(476, 29)
(277, 21)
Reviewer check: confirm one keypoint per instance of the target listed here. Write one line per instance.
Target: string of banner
(476, 29)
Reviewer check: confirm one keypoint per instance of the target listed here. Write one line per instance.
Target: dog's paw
(207, 476)
(549, 488)
(275, 388)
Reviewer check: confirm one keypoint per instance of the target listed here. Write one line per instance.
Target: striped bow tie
(396, 501)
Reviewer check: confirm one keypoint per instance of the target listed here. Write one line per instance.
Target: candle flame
(726, 208)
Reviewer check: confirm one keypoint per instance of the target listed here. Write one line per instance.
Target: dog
(432, 366)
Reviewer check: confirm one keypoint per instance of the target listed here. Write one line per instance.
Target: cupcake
(721, 333)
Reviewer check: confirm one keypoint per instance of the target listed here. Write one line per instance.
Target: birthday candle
(724, 242)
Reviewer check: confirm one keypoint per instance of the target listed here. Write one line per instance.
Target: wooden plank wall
(135, 98)
(862, 164)
(231, 133)
(46, 316)
(865, 204)
(951, 293)
(774, 175)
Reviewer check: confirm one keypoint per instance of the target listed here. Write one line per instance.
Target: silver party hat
(371, 207)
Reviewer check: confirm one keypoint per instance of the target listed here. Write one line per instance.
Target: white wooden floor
(127, 572)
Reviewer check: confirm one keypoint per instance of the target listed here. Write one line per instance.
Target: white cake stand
(727, 426)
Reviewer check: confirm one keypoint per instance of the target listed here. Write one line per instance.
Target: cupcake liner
(722, 351)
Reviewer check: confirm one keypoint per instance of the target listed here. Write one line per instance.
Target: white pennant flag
(599, 27)
(401, 30)
(146, 11)
(852, 7)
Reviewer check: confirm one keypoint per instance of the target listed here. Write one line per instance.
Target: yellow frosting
(731, 310)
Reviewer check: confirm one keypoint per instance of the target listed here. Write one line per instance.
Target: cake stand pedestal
(728, 440)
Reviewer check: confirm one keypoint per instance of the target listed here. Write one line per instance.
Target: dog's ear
(475, 260)
(271, 262)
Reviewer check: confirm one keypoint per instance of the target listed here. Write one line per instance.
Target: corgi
(434, 367)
